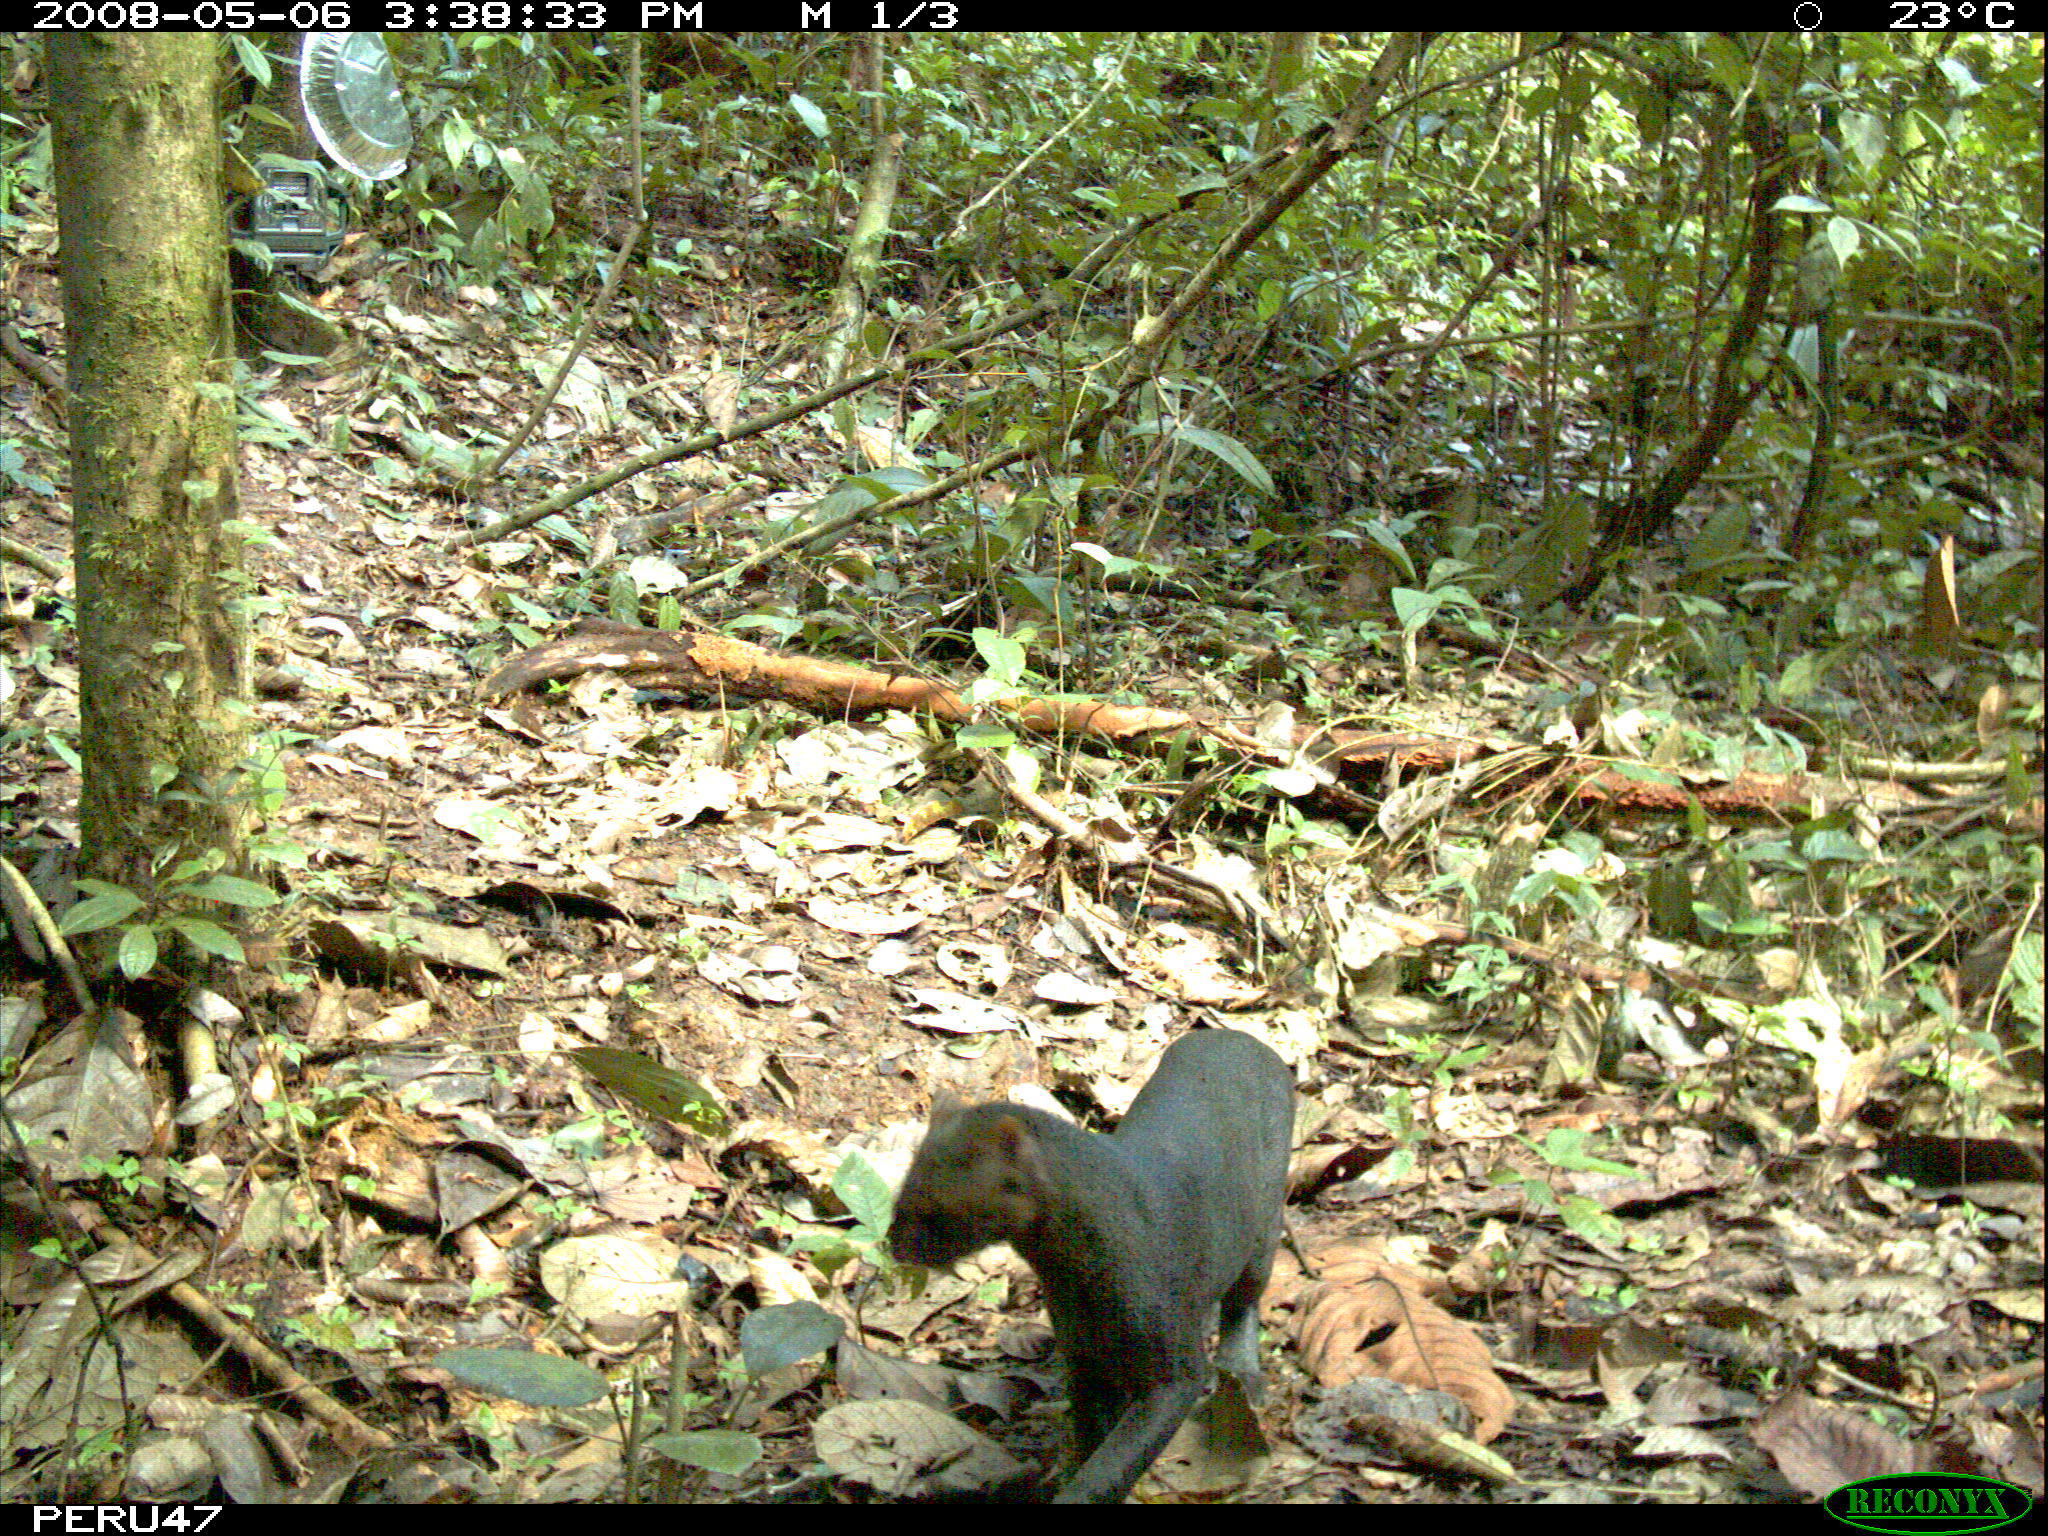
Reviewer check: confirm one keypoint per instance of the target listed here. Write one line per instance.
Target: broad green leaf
(657, 1089)
(539, 1381)
(1231, 452)
(777, 1336)
(984, 736)
(863, 1191)
(1415, 609)
(233, 890)
(208, 938)
(137, 952)
(1003, 656)
(110, 906)
(726, 1451)
(807, 111)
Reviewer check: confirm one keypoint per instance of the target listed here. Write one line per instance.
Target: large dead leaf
(1417, 1343)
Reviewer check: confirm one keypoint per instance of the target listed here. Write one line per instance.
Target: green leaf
(777, 1336)
(1565, 1147)
(1112, 565)
(137, 953)
(233, 890)
(1023, 767)
(1231, 452)
(1415, 609)
(1042, 594)
(863, 1191)
(984, 736)
(255, 64)
(1396, 551)
(655, 1088)
(715, 1450)
(539, 1381)
(208, 938)
(1830, 844)
(812, 118)
(1003, 656)
(194, 869)
(110, 906)
(1800, 677)
(1590, 1221)
(890, 481)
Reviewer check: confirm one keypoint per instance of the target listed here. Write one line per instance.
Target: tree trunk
(161, 641)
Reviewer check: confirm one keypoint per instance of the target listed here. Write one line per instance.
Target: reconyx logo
(1928, 1504)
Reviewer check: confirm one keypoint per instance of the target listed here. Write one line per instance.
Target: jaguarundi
(1145, 1241)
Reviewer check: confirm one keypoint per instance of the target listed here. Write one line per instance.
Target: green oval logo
(1924, 1502)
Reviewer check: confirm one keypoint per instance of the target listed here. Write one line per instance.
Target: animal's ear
(946, 1105)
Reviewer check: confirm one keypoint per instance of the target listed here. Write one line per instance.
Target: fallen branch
(348, 1429)
(1350, 764)
(698, 662)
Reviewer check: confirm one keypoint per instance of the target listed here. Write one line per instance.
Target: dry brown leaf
(1424, 1346)
(1819, 1446)
(721, 399)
